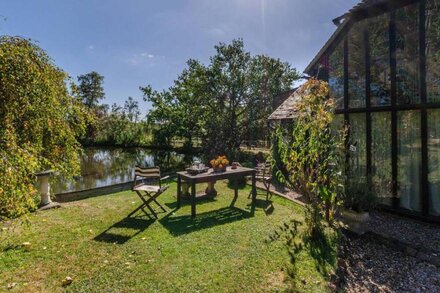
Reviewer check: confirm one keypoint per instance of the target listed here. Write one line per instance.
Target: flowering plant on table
(219, 164)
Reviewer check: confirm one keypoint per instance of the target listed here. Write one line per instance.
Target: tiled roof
(287, 109)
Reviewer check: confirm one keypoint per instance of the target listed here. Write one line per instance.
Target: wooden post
(193, 200)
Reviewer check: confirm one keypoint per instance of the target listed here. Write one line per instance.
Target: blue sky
(134, 43)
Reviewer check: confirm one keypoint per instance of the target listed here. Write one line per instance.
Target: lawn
(225, 249)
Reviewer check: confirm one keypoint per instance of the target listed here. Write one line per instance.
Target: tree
(311, 153)
(131, 107)
(40, 122)
(91, 89)
(222, 102)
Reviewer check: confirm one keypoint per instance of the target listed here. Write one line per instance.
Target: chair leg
(267, 185)
(147, 203)
(154, 199)
(152, 211)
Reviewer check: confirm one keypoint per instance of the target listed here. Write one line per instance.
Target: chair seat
(148, 188)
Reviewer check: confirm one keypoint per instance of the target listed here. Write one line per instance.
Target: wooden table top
(211, 176)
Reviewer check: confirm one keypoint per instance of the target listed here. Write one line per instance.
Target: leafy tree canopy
(40, 122)
(222, 103)
(91, 89)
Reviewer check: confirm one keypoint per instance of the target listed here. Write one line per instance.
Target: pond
(107, 166)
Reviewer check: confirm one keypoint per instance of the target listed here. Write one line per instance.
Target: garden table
(210, 177)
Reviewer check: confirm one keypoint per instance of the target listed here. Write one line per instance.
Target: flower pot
(355, 221)
(219, 170)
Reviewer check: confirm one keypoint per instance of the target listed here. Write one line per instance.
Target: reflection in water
(107, 166)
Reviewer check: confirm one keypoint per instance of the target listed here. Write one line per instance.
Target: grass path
(224, 250)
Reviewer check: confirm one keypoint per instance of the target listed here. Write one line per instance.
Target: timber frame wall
(388, 7)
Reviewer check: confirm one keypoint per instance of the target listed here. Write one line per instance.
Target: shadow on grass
(265, 205)
(322, 248)
(124, 230)
(181, 225)
(185, 201)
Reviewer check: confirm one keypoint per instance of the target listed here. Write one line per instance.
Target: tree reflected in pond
(107, 166)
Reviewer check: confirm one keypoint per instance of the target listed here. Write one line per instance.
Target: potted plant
(219, 164)
(358, 201)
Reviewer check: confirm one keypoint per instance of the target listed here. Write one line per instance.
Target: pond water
(107, 166)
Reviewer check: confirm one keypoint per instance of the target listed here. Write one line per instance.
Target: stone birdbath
(44, 189)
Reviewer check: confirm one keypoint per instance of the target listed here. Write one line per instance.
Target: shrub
(310, 153)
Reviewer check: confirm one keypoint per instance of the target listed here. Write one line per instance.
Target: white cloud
(146, 54)
(144, 57)
(91, 47)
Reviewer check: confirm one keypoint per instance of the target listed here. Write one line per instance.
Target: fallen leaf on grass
(11, 285)
(26, 245)
(67, 281)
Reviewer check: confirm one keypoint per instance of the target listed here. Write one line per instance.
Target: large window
(336, 75)
(409, 159)
(368, 44)
(407, 53)
(434, 161)
(356, 66)
(380, 85)
(433, 50)
(381, 156)
(357, 146)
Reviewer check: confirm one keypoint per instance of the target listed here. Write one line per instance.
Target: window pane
(336, 75)
(337, 124)
(381, 156)
(380, 60)
(433, 50)
(356, 66)
(409, 159)
(434, 161)
(357, 150)
(407, 53)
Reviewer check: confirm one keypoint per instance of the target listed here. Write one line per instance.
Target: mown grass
(225, 249)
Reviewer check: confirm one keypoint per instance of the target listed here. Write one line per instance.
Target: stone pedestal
(44, 189)
(209, 191)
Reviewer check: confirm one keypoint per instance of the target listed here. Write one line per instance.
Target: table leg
(254, 189)
(179, 192)
(235, 193)
(193, 200)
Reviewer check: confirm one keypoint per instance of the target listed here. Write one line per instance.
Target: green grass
(225, 249)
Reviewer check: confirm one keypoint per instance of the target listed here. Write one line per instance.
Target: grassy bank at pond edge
(223, 249)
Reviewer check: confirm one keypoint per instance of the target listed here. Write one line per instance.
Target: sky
(136, 43)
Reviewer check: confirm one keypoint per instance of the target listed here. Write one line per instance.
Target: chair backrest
(263, 170)
(149, 173)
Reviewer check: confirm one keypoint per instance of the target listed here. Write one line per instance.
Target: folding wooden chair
(264, 175)
(148, 192)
